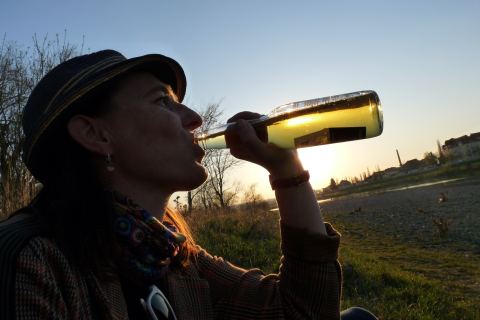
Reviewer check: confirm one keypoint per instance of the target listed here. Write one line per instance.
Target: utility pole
(399, 160)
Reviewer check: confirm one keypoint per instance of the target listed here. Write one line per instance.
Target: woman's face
(151, 136)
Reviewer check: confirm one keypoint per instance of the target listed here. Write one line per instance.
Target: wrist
(288, 168)
(289, 182)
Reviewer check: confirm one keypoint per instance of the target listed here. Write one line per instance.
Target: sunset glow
(320, 162)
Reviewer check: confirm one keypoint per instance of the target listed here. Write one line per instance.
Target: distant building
(464, 147)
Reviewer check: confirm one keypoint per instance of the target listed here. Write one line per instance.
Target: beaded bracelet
(289, 182)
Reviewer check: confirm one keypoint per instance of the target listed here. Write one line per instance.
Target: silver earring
(110, 167)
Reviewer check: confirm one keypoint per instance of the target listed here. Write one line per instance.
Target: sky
(421, 57)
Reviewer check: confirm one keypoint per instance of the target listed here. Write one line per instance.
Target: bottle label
(330, 135)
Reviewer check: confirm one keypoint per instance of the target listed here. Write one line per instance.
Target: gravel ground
(408, 214)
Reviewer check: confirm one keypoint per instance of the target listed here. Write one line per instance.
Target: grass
(399, 281)
(244, 240)
(382, 274)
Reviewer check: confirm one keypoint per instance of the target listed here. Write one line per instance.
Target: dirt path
(409, 214)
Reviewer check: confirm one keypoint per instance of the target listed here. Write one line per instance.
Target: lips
(199, 152)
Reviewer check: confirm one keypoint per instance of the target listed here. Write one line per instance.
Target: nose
(190, 119)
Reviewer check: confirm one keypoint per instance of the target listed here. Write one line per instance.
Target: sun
(320, 162)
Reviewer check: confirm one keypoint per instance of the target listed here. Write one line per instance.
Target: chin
(195, 180)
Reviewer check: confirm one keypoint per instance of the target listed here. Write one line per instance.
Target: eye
(163, 98)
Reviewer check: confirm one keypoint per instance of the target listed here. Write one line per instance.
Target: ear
(90, 133)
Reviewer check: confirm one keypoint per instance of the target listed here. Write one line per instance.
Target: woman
(110, 140)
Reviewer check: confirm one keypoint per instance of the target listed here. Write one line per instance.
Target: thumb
(248, 135)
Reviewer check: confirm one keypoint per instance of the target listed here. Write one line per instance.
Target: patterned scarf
(147, 244)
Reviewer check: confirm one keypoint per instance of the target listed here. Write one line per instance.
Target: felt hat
(56, 97)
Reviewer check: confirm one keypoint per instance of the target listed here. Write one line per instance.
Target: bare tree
(202, 197)
(218, 164)
(251, 198)
(430, 158)
(210, 117)
(215, 192)
(333, 184)
(20, 70)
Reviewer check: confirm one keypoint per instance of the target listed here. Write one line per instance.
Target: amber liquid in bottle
(307, 123)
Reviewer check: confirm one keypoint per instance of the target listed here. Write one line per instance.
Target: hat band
(81, 75)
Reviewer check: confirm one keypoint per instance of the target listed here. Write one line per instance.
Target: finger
(244, 115)
(247, 135)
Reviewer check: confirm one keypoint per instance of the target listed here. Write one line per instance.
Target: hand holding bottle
(248, 143)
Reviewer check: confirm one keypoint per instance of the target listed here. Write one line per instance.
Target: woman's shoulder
(20, 234)
(25, 239)
(43, 259)
(37, 250)
(18, 230)
(40, 248)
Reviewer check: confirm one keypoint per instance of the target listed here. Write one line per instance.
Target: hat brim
(165, 68)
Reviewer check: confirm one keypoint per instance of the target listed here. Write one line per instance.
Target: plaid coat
(307, 286)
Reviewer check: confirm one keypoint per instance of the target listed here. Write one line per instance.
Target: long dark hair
(76, 206)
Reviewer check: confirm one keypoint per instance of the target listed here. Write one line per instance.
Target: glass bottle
(339, 118)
